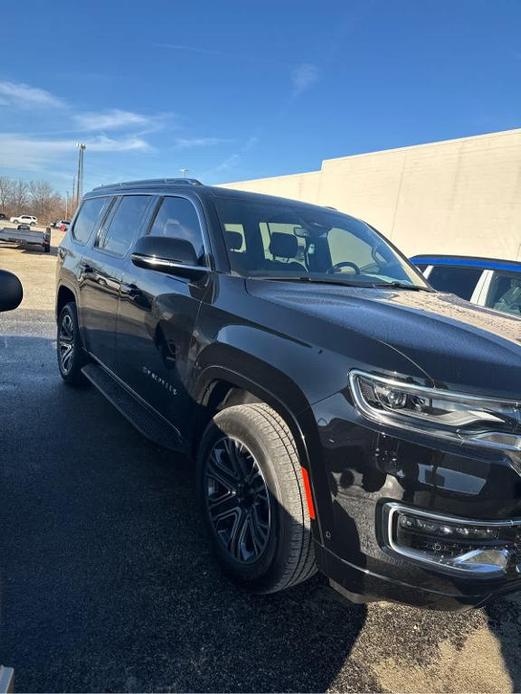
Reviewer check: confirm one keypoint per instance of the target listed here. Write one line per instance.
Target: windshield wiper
(311, 279)
(403, 285)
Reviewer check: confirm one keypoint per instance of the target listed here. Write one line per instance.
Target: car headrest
(283, 245)
(233, 240)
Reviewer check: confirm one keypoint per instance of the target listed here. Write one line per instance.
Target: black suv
(344, 416)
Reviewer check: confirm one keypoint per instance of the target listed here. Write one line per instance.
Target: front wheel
(253, 499)
(71, 355)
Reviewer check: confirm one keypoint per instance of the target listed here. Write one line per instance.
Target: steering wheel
(344, 263)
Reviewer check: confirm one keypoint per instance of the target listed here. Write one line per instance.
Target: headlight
(461, 418)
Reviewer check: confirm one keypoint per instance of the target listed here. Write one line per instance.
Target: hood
(455, 343)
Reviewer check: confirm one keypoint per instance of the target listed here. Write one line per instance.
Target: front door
(156, 318)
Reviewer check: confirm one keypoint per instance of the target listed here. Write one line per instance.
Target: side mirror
(11, 291)
(172, 256)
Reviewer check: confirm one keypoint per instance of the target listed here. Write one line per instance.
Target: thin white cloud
(112, 120)
(23, 95)
(303, 77)
(32, 154)
(126, 144)
(233, 159)
(194, 142)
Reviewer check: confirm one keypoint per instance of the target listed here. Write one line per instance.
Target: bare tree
(20, 196)
(6, 195)
(36, 197)
(44, 200)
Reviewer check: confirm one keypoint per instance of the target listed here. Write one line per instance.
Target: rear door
(156, 318)
(101, 274)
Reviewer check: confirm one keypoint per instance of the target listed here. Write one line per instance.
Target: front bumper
(361, 468)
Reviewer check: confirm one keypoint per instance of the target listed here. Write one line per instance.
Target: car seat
(284, 249)
(510, 302)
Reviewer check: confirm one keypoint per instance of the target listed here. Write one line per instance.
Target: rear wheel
(71, 355)
(253, 499)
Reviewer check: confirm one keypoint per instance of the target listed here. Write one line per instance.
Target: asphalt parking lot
(107, 582)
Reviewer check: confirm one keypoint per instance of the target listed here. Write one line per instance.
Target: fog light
(484, 549)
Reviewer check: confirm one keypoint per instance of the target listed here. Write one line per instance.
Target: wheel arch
(64, 295)
(220, 386)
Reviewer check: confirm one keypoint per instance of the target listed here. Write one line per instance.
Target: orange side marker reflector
(309, 495)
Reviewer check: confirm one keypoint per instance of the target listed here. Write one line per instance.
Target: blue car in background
(487, 282)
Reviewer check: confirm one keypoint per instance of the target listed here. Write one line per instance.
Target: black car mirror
(11, 291)
(169, 255)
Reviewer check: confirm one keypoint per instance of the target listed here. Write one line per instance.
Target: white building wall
(458, 196)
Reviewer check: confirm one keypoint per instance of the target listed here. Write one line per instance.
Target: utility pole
(79, 180)
(73, 201)
(184, 172)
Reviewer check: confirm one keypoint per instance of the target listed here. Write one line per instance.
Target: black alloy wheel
(238, 501)
(71, 355)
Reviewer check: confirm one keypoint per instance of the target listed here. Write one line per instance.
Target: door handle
(86, 268)
(130, 290)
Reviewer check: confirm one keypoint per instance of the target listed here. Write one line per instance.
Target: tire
(271, 507)
(71, 355)
(47, 248)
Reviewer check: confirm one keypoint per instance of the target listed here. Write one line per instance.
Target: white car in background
(24, 219)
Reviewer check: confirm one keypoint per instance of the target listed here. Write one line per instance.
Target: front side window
(286, 240)
(124, 224)
(505, 293)
(89, 218)
(456, 280)
(177, 219)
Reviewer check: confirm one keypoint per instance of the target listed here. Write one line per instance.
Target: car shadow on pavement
(107, 579)
(39, 251)
(504, 622)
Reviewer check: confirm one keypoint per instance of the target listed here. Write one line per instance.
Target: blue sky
(234, 90)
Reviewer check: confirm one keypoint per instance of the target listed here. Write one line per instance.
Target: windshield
(284, 241)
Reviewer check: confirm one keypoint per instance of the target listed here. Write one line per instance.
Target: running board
(151, 425)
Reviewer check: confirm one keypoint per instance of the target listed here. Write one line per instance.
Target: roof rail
(153, 182)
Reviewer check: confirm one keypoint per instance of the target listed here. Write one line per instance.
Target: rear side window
(456, 280)
(89, 218)
(123, 225)
(177, 218)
